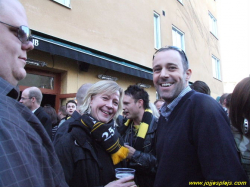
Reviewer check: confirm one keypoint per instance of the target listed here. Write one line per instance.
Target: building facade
(81, 41)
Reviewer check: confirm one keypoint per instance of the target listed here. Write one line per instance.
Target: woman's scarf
(105, 134)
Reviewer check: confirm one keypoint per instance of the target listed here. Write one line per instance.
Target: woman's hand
(123, 182)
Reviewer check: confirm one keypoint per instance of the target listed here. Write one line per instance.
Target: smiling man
(27, 156)
(194, 141)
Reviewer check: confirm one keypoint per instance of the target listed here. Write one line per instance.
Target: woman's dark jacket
(144, 161)
(84, 161)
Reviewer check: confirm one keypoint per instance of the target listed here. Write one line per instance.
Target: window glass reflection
(39, 81)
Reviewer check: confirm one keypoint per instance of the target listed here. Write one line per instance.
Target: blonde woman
(92, 149)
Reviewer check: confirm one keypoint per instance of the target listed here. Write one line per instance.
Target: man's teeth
(166, 85)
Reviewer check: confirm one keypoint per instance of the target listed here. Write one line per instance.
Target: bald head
(36, 92)
(31, 98)
(82, 92)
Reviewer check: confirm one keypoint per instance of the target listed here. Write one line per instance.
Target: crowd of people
(182, 138)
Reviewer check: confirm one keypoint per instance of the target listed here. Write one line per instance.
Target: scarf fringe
(120, 155)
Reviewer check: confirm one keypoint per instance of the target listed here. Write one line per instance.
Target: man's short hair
(223, 97)
(36, 92)
(138, 93)
(71, 101)
(201, 87)
(184, 59)
(63, 110)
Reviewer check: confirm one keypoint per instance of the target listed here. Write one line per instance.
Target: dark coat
(64, 127)
(195, 144)
(85, 162)
(44, 119)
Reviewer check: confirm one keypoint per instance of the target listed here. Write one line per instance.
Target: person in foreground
(92, 147)
(194, 141)
(239, 114)
(27, 156)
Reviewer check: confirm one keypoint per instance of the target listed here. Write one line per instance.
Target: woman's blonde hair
(104, 86)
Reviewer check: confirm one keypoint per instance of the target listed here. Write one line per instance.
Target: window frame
(175, 31)
(63, 3)
(216, 65)
(180, 1)
(157, 31)
(213, 24)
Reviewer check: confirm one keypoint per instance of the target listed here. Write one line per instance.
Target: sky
(234, 39)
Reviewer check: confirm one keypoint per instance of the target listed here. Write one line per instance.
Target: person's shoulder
(200, 98)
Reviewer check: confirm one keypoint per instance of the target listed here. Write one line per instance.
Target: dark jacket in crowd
(144, 161)
(85, 162)
(45, 120)
(63, 128)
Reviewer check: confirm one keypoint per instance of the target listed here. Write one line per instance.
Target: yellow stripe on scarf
(149, 110)
(113, 146)
(127, 122)
(143, 130)
(97, 127)
(84, 123)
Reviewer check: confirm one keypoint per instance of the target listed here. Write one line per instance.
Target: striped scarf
(142, 131)
(107, 136)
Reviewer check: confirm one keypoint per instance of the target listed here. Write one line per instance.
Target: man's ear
(33, 99)
(140, 102)
(188, 74)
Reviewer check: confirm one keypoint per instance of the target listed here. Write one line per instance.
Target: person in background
(158, 103)
(228, 102)
(139, 132)
(155, 111)
(63, 128)
(239, 114)
(223, 101)
(91, 148)
(70, 108)
(194, 139)
(201, 87)
(32, 98)
(27, 155)
(54, 118)
(62, 115)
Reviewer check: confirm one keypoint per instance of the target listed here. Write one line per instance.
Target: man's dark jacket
(144, 161)
(44, 119)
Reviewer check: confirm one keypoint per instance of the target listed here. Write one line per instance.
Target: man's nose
(164, 73)
(27, 46)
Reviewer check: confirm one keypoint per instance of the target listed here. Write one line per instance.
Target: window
(178, 38)
(216, 68)
(39, 81)
(212, 24)
(180, 1)
(157, 31)
(63, 2)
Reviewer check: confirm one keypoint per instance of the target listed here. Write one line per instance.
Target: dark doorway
(48, 99)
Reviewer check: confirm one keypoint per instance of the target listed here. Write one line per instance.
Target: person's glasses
(174, 48)
(23, 33)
